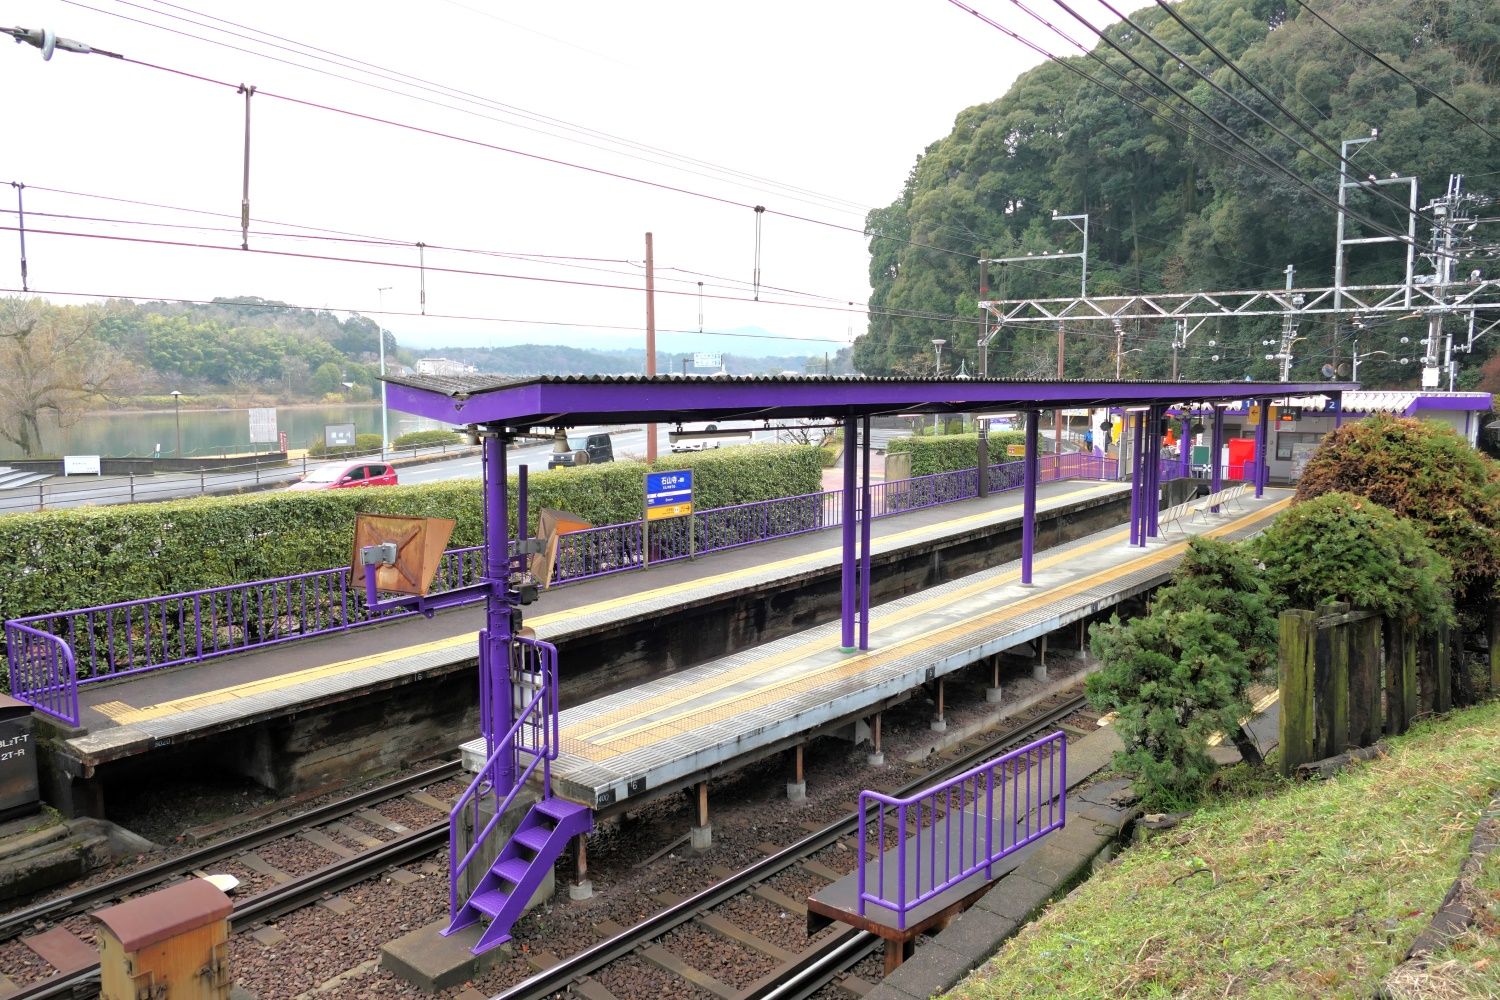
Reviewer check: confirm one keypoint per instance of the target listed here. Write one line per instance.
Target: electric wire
(790, 191)
(1229, 131)
(1420, 86)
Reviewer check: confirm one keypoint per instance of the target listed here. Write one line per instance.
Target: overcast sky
(819, 106)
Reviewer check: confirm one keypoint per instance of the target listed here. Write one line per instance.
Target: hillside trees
(1169, 212)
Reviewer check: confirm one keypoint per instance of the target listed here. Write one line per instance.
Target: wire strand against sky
(1420, 86)
(399, 78)
(841, 307)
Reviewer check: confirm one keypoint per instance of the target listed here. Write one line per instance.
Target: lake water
(207, 432)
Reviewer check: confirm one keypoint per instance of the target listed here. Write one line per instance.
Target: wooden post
(1297, 710)
(1442, 662)
(1396, 717)
(1408, 654)
(702, 803)
(1364, 682)
(1493, 630)
(1331, 683)
(1426, 674)
(797, 764)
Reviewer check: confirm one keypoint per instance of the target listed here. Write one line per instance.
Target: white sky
(829, 96)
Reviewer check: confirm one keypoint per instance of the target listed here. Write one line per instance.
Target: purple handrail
(971, 812)
(534, 734)
(116, 640)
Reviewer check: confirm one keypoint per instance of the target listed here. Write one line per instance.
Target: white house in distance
(443, 366)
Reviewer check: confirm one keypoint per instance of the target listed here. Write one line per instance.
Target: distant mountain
(556, 359)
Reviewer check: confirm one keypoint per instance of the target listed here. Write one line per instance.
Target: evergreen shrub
(952, 452)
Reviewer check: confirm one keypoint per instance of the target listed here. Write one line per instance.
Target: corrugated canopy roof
(577, 400)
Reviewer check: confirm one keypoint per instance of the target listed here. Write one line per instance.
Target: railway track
(267, 905)
(806, 973)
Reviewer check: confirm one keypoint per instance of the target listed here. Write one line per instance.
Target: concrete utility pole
(650, 340)
(1289, 323)
(385, 421)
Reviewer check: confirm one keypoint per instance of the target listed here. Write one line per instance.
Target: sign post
(668, 495)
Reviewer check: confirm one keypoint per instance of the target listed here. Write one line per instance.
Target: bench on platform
(1222, 498)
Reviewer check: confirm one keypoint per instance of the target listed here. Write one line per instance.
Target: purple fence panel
(531, 743)
(42, 671)
(947, 833)
(923, 491)
(582, 555)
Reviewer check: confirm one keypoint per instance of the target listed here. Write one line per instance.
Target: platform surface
(665, 731)
(133, 715)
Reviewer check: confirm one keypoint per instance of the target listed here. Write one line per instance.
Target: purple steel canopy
(576, 400)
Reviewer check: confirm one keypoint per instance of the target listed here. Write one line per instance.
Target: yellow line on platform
(739, 701)
(122, 713)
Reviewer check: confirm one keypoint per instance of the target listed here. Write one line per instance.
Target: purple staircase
(520, 867)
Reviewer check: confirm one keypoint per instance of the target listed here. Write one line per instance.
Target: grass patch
(1310, 891)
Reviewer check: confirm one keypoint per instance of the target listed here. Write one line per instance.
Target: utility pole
(1057, 415)
(1119, 348)
(385, 424)
(1289, 322)
(650, 340)
(1444, 213)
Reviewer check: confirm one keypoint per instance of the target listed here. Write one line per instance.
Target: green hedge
(82, 557)
(364, 444)
(427, 439)
(951, 452)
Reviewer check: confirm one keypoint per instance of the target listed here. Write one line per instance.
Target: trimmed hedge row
(951, 452)
(88, 556)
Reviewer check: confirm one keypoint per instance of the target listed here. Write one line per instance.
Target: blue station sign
(669, 494)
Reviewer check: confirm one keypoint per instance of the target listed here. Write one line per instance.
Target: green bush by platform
(88, 556)
(951, 452)
(427, 439)
(364, 444)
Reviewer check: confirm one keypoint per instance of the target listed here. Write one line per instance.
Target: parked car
(342, 475)
(569, 450)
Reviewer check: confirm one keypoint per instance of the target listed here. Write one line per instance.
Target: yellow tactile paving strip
(600, 738)
(124, 714)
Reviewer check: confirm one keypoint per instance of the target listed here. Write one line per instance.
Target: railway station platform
(680, 730)
(309, 713)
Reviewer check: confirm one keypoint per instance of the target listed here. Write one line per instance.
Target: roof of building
(574, 400)
(1405, 402)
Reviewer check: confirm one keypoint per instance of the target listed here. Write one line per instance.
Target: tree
(1341, 547)
(1183, 672)
(328, 378)
(50, 364)
(1424, 471)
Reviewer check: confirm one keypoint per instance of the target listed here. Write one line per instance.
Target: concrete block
(701, 838)
(1039, 671)
(992, 695)
(932, 970)
(1057, 863)
(876, 759)
(976, 935)
(796, 791)
(579, 891)
(938, 725)
(1015, 897)
(431, 962)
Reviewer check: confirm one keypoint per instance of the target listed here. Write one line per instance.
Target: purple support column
(1338, 410)
(865, 515)
(850, 456)
(1028, 502)
(1153, 469)
(1215, 449)
(1133, 428)
(1262, 438)
(497, 607)
(1185, 444)
(521, 492)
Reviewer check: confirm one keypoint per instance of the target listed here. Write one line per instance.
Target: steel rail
(75, 902)
(585, 963)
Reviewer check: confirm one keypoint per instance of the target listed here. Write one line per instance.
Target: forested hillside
(1169, 212)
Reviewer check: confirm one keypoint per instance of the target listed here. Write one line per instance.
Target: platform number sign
(669, 494)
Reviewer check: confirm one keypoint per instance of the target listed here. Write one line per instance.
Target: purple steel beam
(1216, 449)
(851, 432)
(1338, 410)
(1185, 444)
(495, 646)
(1153, 470)
(1028, 498)
(553, 400)
(866, 514)
(1262, 438)
(521, 497)
(1133, 428)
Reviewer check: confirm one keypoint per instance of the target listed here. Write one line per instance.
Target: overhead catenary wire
(1415, 83)
(1228, 130)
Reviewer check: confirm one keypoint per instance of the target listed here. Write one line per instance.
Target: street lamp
(1358, 357)
(177, 412)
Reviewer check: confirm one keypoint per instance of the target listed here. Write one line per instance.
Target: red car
(339, 475)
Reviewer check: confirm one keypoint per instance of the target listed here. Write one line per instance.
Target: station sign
(669, 494)
(705, 360)
(1015, 450)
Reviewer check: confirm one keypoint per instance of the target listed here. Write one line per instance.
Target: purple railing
(51, 654)
(42, 671)
(945, 834)
(531, 742)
